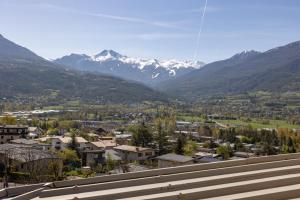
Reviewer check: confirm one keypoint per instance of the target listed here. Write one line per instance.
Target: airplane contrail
(200, 31)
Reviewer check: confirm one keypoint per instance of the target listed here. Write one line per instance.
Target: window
(148, 153)
(2, 136)
(13, 130)
(140, 155)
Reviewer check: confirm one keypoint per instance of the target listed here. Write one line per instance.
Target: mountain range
(25, 74)
(276, 70)
(97, 78)
(147, 71)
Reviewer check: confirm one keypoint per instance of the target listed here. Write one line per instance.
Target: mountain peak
(109, 53)
(245, 54)
(75, 55)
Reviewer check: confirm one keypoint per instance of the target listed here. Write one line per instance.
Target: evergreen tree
(161, 137)
(73, 144)
(179, 148)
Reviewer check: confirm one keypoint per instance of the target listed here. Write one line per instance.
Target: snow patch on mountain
(133, 68)
(141, 63)
(155, 76)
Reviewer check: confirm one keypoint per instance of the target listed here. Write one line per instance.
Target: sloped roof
(175, 158)
(131, 148)
(67, 140)
(105, 143)
(24, 141)
(24, 153)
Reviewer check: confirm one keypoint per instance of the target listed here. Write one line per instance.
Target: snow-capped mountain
(245, 55)
(149, 71)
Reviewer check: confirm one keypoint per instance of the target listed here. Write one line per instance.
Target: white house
(60, 142)
(34, 132)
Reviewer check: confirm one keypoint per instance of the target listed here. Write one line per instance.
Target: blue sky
(165, 29)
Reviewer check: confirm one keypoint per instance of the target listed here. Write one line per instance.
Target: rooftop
(175, 158)
(67, 139)
(32, 129)
(105, 143)
(131, 148)
(23, 153)
(14, 126)
(24, 141)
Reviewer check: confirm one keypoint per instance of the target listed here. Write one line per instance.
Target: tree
(170, 124)
(179, 148)
(268, 149)
(161, 137)
(229, 135)
(224, 151)
(54, 168)
(110, 163)
(73, 144)
(190, 148)
(8, 120)
(55, 124)
(70, 158)
(141, 135)
(53, 131)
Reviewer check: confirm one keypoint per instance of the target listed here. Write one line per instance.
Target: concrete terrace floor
(273, 177)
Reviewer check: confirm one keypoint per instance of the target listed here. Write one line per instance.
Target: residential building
(32, 143)
(102, 144)
(34, 132)
(172, 160)
(61, 142)
(29, 159)
(134, 153)
(93, 157)
(12, 132)
(123, 138)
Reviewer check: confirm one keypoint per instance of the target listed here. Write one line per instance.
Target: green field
(260, 124)
(189, 118)
(53, 108)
